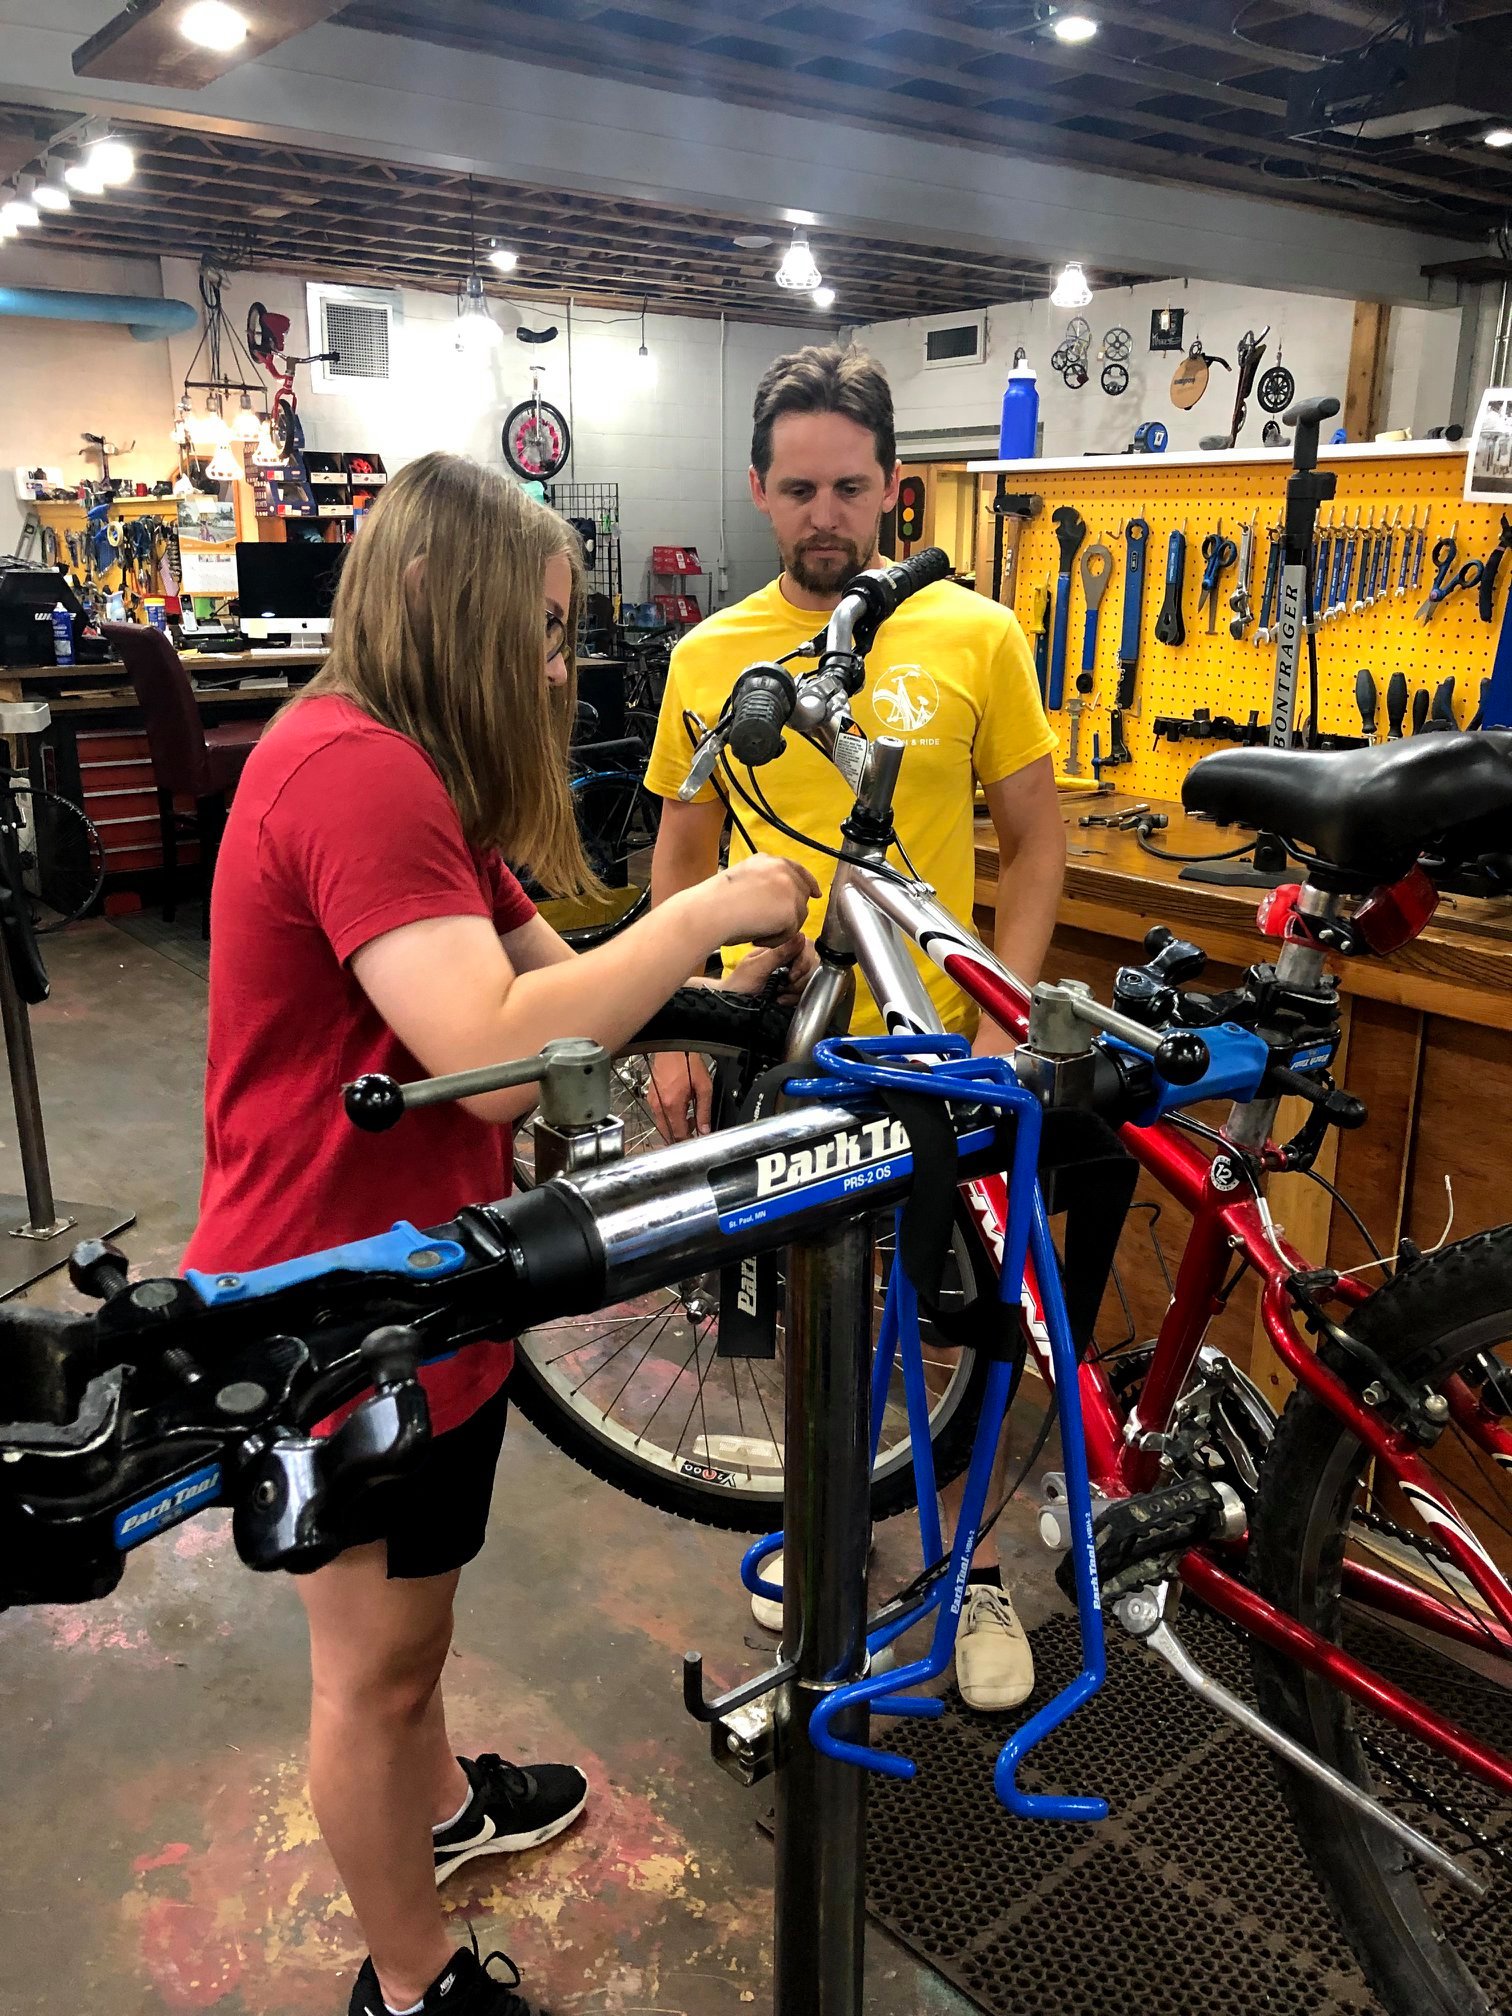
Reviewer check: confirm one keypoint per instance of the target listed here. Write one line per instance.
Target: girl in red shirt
(364, 921)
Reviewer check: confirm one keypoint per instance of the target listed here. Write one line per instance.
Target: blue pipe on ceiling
(149, 320)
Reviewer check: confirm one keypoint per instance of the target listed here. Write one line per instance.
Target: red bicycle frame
(1228, 1224)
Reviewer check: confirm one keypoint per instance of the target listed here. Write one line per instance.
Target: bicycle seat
(1370, 812)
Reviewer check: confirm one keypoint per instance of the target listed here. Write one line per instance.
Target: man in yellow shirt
(951, 674)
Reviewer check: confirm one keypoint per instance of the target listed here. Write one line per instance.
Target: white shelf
(1199, 458)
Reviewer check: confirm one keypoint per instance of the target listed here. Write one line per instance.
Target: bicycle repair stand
(40, 1231)
(815, 1739)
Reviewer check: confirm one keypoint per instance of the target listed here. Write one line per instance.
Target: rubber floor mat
(1192, 1899)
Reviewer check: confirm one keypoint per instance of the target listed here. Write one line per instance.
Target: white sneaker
(766, 1611)
(993, 1662)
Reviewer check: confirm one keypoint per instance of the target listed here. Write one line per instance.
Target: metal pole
(821, 1805)
(41, 1215)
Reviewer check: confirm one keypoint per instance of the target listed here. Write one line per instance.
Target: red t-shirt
(340, 830)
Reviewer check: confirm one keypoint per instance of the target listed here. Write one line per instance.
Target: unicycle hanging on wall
(536, 437)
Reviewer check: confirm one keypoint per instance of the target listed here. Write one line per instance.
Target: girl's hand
(764, 899)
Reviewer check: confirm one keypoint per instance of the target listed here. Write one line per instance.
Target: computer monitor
(286, 586)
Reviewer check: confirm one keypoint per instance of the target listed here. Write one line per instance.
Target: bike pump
(820, 1895)
(1307, 487)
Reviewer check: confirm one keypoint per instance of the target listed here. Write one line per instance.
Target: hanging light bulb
(212, 427)
(798, 270)
(477, 331)
(1071, 289)
(824, 299)
(265, 448)
(51, 192)
(224, 467)
(643, 365)
(502, 259)
(244, 426)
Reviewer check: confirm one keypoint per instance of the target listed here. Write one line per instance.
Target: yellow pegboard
(1229, 677)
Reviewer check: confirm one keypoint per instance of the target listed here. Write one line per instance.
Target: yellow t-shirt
(950, 673)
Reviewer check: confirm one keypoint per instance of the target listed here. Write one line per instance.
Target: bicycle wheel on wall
(640, 1393)
(536, 441)
(1325, 1512)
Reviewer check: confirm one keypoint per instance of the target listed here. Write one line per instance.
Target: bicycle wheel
(616, 816)
(536, 441)
(1426, 1947)
(639, 1394)
(62, 860)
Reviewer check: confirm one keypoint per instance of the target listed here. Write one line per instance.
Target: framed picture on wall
(1488, 466)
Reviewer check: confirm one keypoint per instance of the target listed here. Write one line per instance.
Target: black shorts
(436, 1518)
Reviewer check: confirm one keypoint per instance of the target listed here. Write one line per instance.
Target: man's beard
(824, 573)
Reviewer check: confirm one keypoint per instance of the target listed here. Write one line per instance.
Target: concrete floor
(159, 1854)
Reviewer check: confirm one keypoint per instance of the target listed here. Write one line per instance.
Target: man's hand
(758, 966)
(680, 1095)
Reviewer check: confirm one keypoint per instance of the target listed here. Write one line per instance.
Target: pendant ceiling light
(798, 270)
(1071, 289)
(220, 351)
(224, 467)
(477, 331)
(244, 426)
(645, 363)
(48, 191)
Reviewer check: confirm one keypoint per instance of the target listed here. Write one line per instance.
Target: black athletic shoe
(511, 1808)
(464, 1987)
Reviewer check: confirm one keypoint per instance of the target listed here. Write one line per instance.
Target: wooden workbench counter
(1460, 967)
(1426, 1043)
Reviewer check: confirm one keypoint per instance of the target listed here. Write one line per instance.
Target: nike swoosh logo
(453, 1847)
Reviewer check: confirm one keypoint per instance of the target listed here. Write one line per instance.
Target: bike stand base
(25, 1258)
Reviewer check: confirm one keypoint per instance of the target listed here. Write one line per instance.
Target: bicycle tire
(538, 461)
(1402, 1924)
(64, 866)
(746, 1033)
(16, 932)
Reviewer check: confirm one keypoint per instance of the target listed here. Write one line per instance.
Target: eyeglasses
(556, 638)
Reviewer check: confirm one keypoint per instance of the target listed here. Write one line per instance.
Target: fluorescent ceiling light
(824, 297)
(1073, 27)
(1499, 136)
(502, 259)
(112, 160)
(211, 24)
(798, 270)
(1071, 289)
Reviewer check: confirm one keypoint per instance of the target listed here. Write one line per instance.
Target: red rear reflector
(1392, 917)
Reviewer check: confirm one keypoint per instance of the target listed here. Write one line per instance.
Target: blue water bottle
(1016, 439)
(62, 629)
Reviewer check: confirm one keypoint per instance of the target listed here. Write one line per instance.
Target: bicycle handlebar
(760, 708)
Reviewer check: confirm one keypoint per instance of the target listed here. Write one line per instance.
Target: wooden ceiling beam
(143, 43)
(1143, 21)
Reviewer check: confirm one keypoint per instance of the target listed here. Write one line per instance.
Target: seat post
(1301, 965)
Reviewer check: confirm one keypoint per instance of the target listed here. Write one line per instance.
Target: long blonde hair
(437, 632)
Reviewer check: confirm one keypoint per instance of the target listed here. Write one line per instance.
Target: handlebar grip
(760, 708)
(881, 593)
(1307, 417)
(1182, 1058)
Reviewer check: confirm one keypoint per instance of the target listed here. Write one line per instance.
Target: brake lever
(705, 757)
